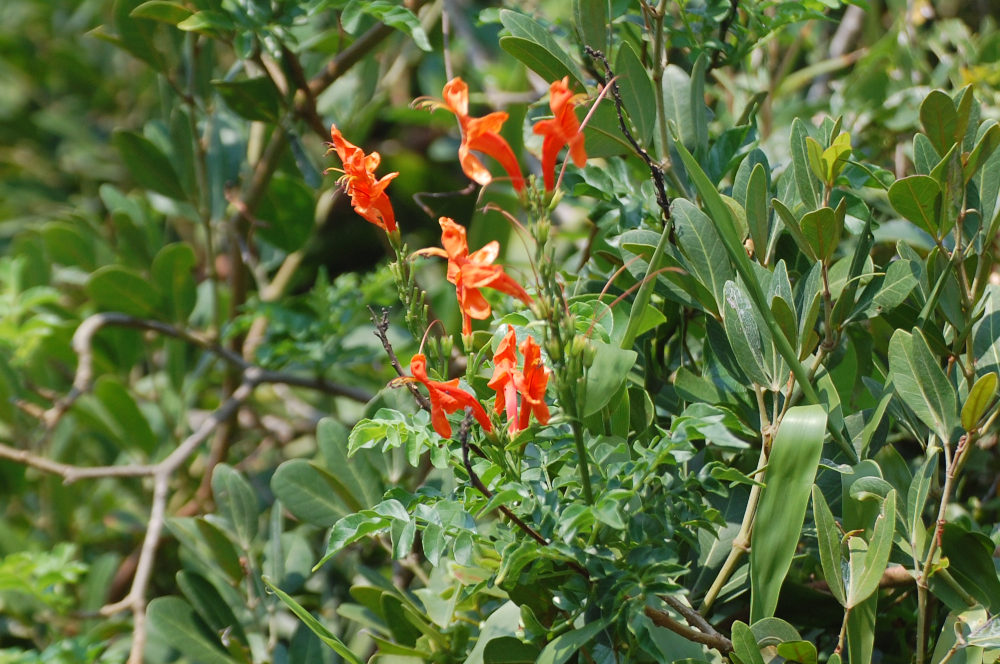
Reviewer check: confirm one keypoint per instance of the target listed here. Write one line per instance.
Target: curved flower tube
(367, 194)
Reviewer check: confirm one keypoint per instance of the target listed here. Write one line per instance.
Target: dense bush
(721, 385)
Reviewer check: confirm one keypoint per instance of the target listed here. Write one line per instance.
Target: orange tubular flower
(470, 272)
(504, 371)
(563, 129)
(482, 135)
(531, 384)
(446, 397)
(367, 194)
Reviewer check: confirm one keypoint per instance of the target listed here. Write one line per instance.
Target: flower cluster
(530, 382)
(471, 272)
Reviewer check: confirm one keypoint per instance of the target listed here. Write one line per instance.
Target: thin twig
(663, 619)
(381, 329)
(654, 169)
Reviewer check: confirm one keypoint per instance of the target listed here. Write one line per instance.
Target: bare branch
(663, 619)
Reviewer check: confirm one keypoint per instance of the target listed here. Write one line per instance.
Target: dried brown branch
(663, 619)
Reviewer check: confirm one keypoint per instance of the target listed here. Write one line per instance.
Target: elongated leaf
(756, 207)
(591, 20)
(566, 645)
(677, 102)
(305, 492)
(821, 231)
(172, 272)
(828, 536)
(744, 334)
(636, 91)
(867, 567)
(795, 455)
(606, 375)
(542, 49)
(970, 558)
(807, 184)
(147, 165)
(916, 497)
(940, 120)
(252, 98)
(921, 384)
(794, 229)
(325, 635)
(861, 631)
(745, 645)
(115, 288)
(210, 605)
(701, 246)
(986, 334)
(980, 397)
(174, 622)
(918, 199)
(160, 10)
(237, 502)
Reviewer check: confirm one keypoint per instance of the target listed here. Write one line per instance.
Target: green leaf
(757, 214)
(160, 10)
(791, 468)
(868, 563)
(861, 631)
(743, 333)
(821, 231)
(566, 645)
(701, 246)
(352, 528)
(940, 120)
(591, 20)
(236, 502)
(807, 185)
(794, 229)
(985, 147)
(606, 375)
(114, 288)
(636, 91)
(174, 622)
(803, 652)
(209, 23)
(745, 645)
(147, 165)
(509, 650)
(172, 273)
(916, 497)
(980, 397)
(118, 402)
(288, 213)
(679, 108)
(325, 635)
(986, 334)
(210, 605)
(252, 98)
(918, 199)
(900, 280)
(531, 38)
(970, 557)
(398, 17)
(921, 384)
(828, 538)
(306, 493)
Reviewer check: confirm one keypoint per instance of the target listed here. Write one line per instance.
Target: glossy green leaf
(174, 622)
(160, 10)
(757, 214)
(970, 557)
(398, 17)
(564, 646)
(147, 165)
(921, 384)
(114, 288)
(208, 22)
(173, 274)
(636, 91)
(940, 120)
(591, 20)
(236, 502)
(677, 101)
(745, 645)
(803, 652)
(868, 563)
(210, 605)
(509, 650)
(795, 455)
(807, 184)
(700, 244)
(918, 199)
(606, 375)
(828, 538)
(325, 635)
(900, 280)
(744, 334)
(251, 98)
(306, 493)
(982, 394)
(534, 45)
(821, 231)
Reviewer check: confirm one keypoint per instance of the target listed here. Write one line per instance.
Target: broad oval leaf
(980, 397)
(918, 199)
(921, 384)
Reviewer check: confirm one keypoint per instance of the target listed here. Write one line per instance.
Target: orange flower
(504, 371)
(470, 272)
(446, 397)
(563, 129)
(482, 135)
(367, 194)
(531, 383)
